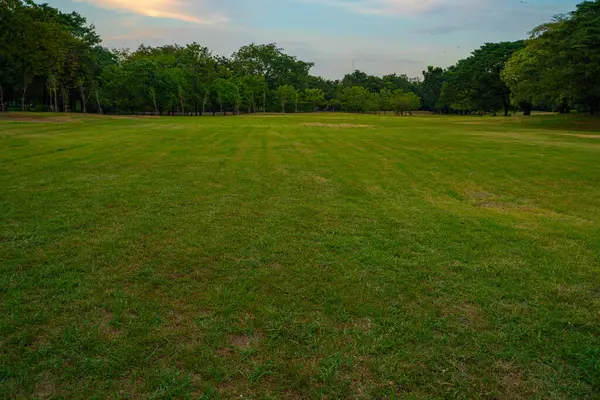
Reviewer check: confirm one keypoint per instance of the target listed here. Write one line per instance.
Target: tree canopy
(54, 61)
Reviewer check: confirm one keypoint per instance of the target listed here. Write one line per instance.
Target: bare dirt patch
(322, 125)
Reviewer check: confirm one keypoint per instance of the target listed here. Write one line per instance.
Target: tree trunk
(204, 100)
(50, 98)
(65, 98)
(98, 102)
(83, 99)
(23, 96)
(2, 109)
(526, 107)
(282, 107)
(264, 101)
(55, 94)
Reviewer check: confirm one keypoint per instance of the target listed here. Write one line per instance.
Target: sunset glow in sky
(378, 36)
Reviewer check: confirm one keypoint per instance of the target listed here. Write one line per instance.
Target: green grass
(315, 256)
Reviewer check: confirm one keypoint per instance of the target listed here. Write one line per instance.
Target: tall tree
(286, 95)
(315, 96)
(431, 87)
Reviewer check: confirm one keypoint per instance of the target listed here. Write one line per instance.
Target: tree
(475, 83)
(385, 100)
(561, 62)
(358, 99)
(315, 97)
(270, 61)
(199, 69)
(251, 89)
(431, 88)
(228, 94)
(286, 94)
(405, 102)
(522, 76)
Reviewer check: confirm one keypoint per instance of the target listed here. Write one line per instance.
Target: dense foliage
(560, 65)
(53, 61)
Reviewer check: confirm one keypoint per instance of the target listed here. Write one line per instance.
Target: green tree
(199, 69)
(431, 88)
(475, 81)
(316, 97)
(286, 95)
(405, 102)
(561, 62)
(357, 99)
(227, 93)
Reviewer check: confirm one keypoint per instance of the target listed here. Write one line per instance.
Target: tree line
(54, 61)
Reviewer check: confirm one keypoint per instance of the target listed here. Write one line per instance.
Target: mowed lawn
(309, 256)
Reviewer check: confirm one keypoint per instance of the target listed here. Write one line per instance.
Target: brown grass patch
(312, 177)
(322, 125)
(466, 314)
(45, 389)
(126, 116)
(22, 117)
(242, 341)
(581, 135)
(108, 331)
(483, 199)
(360, 324)
(363, 324)
(473, 123)
(511, 377)
(302, 148)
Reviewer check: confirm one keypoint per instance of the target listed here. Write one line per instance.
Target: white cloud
(183, 10)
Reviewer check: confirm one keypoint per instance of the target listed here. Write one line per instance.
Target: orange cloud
(173, 9)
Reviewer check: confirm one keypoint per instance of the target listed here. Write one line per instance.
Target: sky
(376, 36)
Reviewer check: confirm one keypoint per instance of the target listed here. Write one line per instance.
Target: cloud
(396, 7)
(382, 7)
(183, 10)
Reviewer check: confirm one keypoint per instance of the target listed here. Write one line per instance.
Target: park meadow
(403, 203)
(299, 256)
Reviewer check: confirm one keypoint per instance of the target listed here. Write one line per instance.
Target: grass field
(321, 256)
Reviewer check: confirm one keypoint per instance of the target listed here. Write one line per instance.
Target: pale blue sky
(381, 36)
